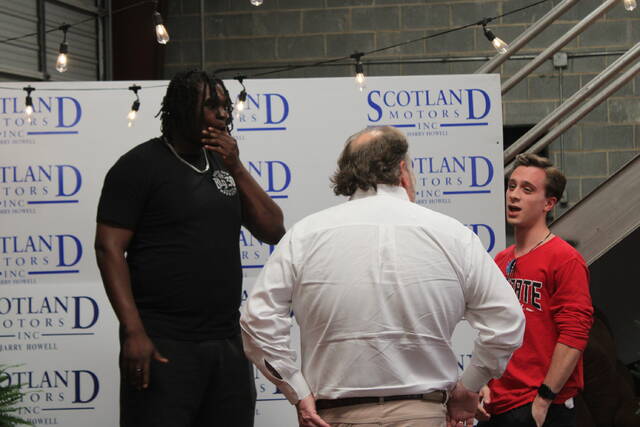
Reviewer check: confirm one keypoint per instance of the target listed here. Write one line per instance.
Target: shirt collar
(383, 189)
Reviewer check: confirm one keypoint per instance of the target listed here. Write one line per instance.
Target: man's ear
(549, 203)
(405, 176)
(407, 180)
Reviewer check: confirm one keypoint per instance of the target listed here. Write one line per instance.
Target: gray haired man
(377, 285)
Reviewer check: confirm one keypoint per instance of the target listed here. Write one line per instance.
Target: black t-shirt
(184, 258)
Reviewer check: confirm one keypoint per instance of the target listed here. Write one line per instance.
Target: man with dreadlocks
(167, 245)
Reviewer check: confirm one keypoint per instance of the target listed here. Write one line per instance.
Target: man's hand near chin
(307, 415)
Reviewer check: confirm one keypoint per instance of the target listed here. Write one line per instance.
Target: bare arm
(110, 245)
(563, 362)
(137, 348)
(573, 316)
(262, 216)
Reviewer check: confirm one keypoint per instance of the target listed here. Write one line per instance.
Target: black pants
(558, 416)
(204, 384)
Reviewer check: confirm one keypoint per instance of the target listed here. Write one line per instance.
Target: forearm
(563, 363)
(115, 277)
(500, 324)
(285, 375)
(262, 216)
(266, 324)
(493, 309)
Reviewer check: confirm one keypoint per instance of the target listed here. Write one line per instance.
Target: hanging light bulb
(61, 63)
(497, 42)
(629, 5)
(360, 80)
(360, 77)
(241, 102)
(131, 117)
(162, 35)
(28, 102)
(256, 2)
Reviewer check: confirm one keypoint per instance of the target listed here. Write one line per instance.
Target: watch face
(545, 392)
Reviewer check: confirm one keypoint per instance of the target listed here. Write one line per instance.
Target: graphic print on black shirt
(184, 258)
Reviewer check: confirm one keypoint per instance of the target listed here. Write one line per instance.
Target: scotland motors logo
(485, 233)
(24, 189)
(253, 252)
(428, 112)
(24, 259)
(263, 112)
(50, 393)
(440, 178)
(273, 175)
(43, 323)
(52, 115)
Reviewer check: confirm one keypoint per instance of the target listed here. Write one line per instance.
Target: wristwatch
(546, 393)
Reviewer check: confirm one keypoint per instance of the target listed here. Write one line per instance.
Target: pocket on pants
(522, 417)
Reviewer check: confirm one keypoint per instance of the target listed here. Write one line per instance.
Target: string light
(497, 42)
(162, 35)
(61, 63)
(241, 102)
(28, 103)
(360, 81)
(131, 117)
(629, 5)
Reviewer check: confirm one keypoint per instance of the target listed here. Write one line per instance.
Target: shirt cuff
(299, 389)
(474, 377)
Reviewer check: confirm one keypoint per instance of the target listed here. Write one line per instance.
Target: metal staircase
(606, 216)
(612, 211)
(605, 225)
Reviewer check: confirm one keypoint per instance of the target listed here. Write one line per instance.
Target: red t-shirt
(552, 284)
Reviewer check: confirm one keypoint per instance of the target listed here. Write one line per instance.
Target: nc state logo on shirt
(224, 182)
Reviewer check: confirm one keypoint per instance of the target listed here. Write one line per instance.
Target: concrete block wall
(281, 32)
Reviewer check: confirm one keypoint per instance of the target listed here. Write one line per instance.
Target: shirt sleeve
(266, 323)
(494, 311)
(124, 193)
(571, 305)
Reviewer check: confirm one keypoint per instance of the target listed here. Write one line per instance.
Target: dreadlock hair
(179, 113)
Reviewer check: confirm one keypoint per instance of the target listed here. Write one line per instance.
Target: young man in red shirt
(551, 281)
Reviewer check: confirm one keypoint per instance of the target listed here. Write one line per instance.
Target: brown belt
(438, 396)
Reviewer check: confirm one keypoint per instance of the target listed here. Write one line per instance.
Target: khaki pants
(400, 413)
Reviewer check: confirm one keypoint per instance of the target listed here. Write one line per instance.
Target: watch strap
(546, 393)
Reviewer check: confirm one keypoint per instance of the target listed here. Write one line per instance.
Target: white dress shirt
(377, 286)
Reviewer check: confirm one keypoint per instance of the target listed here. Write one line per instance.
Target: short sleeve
(124, 193)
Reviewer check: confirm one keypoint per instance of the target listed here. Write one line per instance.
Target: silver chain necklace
(206, 158)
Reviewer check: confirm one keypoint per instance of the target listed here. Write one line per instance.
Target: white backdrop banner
(56, 325)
